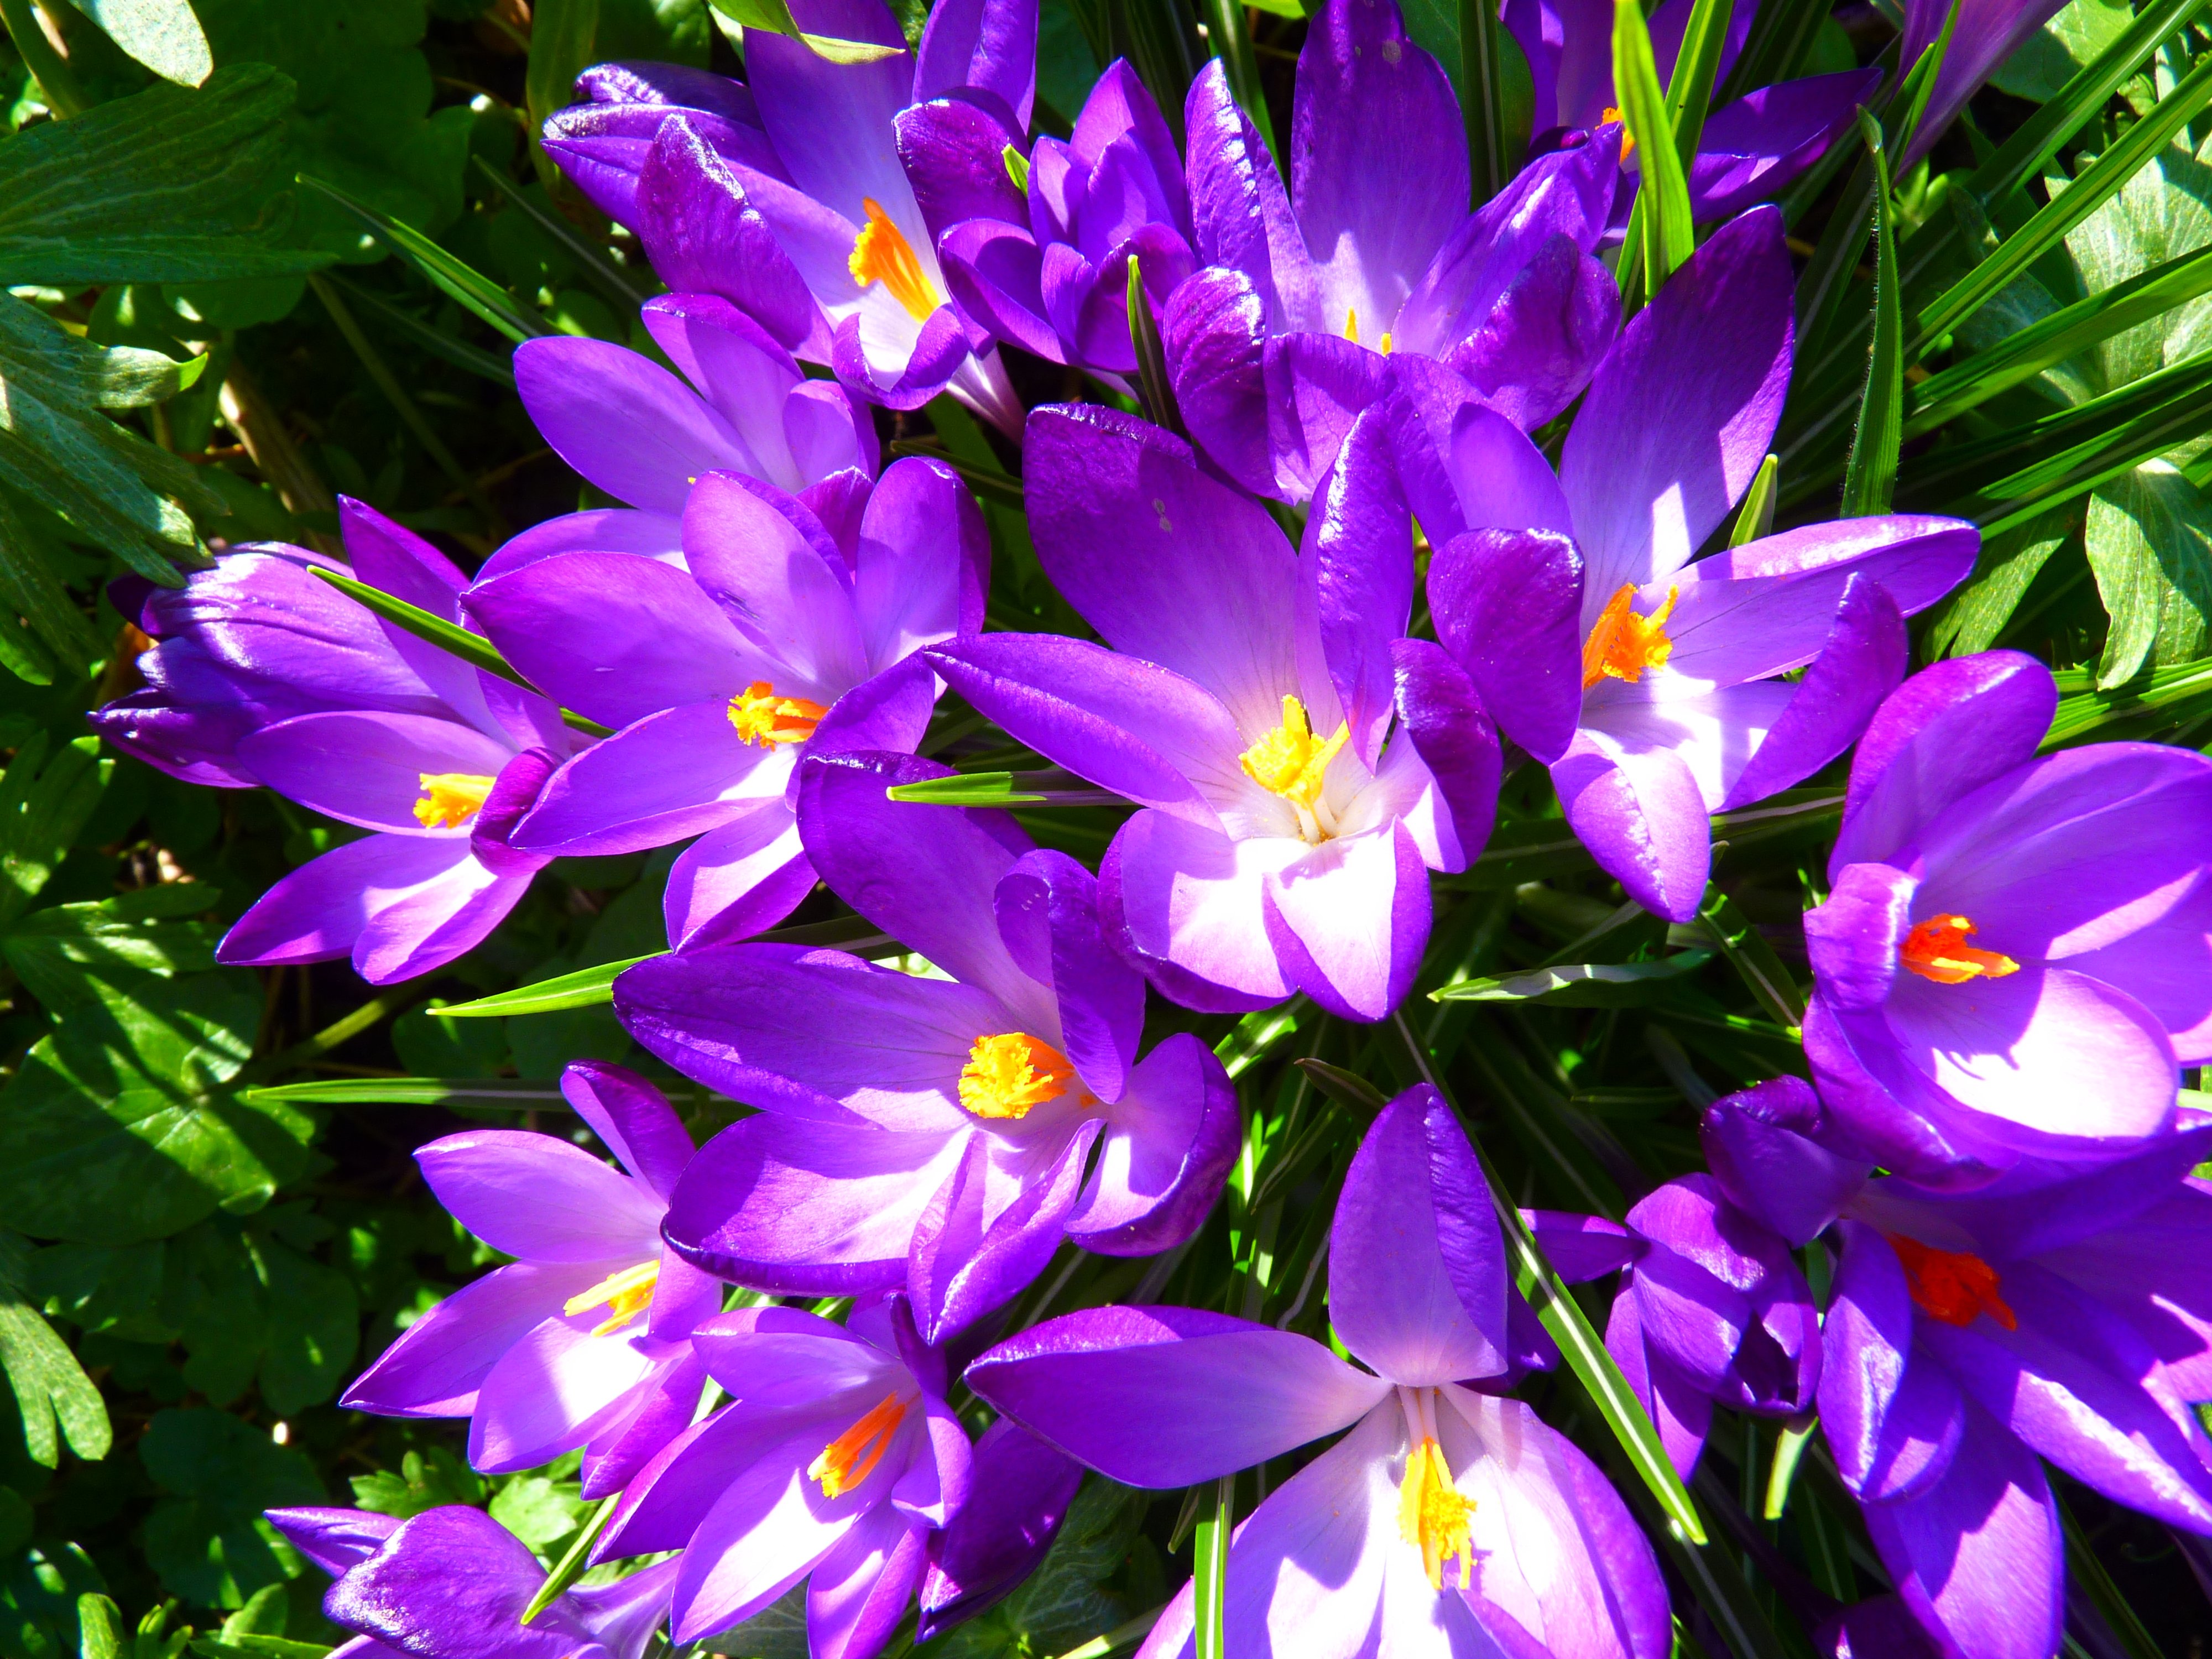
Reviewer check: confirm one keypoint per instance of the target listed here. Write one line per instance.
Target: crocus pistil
(1953, 1285)
(1622, 645)
(450, 800)
(1011, 1072)
(853, 1455)
(1937, 949)
(1433, 1513)
(1292, 764)
(881, 253)
(763, 719)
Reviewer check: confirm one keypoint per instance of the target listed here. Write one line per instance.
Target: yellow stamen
(1432, 1516)
(1386, 342)
(847, 1461)
(1627, 138)
(625, 1295)
(1290, 761)
(1007, 1074)
(1937, 950)
(450, 800)
(881, 253)
(1622, 644)
(765, 720)
(1352, 323)
(1950, 1285)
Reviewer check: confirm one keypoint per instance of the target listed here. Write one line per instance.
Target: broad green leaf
(665, 31)
(2064, 46)
(561, 33)
(1870, 476)
(43, 803)
(2149, 542)
(95, 1618)
(538, 1509)
(205, 1538)
(423, 1480)
(55, 449)
(168, 184)
(2008, 564)
(162, 34)
(2179, 694)
(57, 1401)
(1583, 985)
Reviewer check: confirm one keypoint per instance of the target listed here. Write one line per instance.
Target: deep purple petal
(1450, 728)
(1168, 1144)
(1047, 907)
(1760, 1146)
(1508, 606)
(1022, 1490)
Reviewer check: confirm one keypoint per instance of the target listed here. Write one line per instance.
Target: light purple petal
(540, 1198)
(367, 768)
(988, 45)
(925, 560)
(435, 1367)
(555, 1390)
(1449, 728)
(970, 1255)
(778, 587)
(1168, 1143)
(1047, 907)
(739, 880)
(1641, 814)
(670, 775)
(1189, 904)
(861, 1589)
(632, 1118)
(625, 423)
(1349, 919)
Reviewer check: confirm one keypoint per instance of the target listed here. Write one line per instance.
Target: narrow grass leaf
(459, 282)
(1663, 198)
(1210, 1576)
(1755, 518)
(1870, 476)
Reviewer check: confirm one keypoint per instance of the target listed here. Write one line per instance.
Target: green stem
(371, 1012)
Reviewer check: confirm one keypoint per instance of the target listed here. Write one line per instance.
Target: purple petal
(334, 1540)
(555, 1390)
(664, 437)
(861, 1589)
(1189, 905)
(1349, 919)
(1239, 207)
(954, 152)
(1508, 606)
(615, 636)
(1641, 814)
(367, 769)
(1164, 1397)
(435, 1367)
(1755, 148)
(1449, 727)
(1168, 1143)
(1465, 466)
(1047, 915)
(600, 530)
(668, 776)
(1417, 1265)
(1867, 1345)
(777, 587)
(1987, 32)
(988, 45)
(399, 904)
(1758, 1144)
(925, 560)
(739, 880)
(1214, 333)
(995, 273)
(1358, 553)
(1315, 385)
(409, 1595)
(1935, 739)
(632, 1118)
(540, 1198)
(973, 1251)
(1022, 1490)
(1680, 415)
(1532, 356)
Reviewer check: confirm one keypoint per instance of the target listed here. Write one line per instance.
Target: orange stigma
(1007, 1074)
(881, 253)
(1937, 949)
(848, 1459)
(1627, 138)
(765, 720)
(1950, 1285)
(450, 800)
(1622, 644)
(624, 1296)
(1432, 1516)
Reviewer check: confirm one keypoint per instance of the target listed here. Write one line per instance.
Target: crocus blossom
(805, 220)
(2015, 959)
(1044, 264)
(1748, 149)
(782, 634)
(2066, 1316)
(645, 436)
(1447, 1522)
(1246, 704)
(453, 1583)
(833, 1462)
(1712, 1310)
(1651, 685)
(582, 1340)
(262, 674)
(922, 1132)
(1284, 334)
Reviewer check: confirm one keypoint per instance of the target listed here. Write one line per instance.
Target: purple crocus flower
(783, 633)
(1245, 704)
(2015, 959)
(1712, 1310)
(1045, 264)
(807, 221)
(1748, 151)
(453, 1583)
(644, 436)
(1648, 684)
(2064, 1316)
(1447, 1522)
(917, 1132)
(833, 1462)
(263, 675)
(583, 1340)
(1284, 335)
(1018, 1495)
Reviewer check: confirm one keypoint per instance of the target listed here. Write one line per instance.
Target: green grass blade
(1690, 89)
(1230, 37)
(2135, 150)
(587, 987)
(610, 278)
(1152, 382)
(1780, 35)
(1663, 198)
(2055, 339)
(1210, 1574)
(464, 285)
(1499, 98)
(1755, 518)
(471, 648)
(408, 1092)
(573, 1563)
(1870, 476)
(2179, 692)
(1752, 959)
(460, 353)
(2021, 156)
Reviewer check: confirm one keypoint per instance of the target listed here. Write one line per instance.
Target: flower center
(1950, 1285)
(1627, 138)
(881, 254)
(1291, 763)
(848, 1459)
(765, 720)
(1622, 644)
(1937, 949)
(1432, 1516)
(1007, 1074)
(1352, 330)
(624, 1294)
(450, 800)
